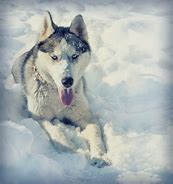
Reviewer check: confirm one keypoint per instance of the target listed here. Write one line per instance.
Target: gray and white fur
(61, 54)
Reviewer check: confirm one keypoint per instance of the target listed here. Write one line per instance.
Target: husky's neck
(38, 77)
(42, 81)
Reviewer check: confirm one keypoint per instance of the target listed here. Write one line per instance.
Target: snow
(130, 94)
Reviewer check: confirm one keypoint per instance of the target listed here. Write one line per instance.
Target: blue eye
(75, 56)
(54, 57)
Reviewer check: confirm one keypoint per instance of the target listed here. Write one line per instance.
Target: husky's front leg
(57, 136)
(93, 134)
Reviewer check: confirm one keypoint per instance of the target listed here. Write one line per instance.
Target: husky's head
(63, 55)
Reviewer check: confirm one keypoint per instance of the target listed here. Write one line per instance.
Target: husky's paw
(99, 162)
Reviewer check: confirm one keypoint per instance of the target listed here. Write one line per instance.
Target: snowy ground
(131, 93)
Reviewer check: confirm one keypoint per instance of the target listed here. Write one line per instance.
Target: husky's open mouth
(66, 96)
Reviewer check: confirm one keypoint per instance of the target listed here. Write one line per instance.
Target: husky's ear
(78, 27)
(48, 26)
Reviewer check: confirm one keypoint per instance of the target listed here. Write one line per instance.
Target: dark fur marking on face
(80, 46)
(53, 40)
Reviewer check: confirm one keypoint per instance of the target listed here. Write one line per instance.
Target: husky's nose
(67, 82)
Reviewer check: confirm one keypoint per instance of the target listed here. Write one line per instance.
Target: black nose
(67, 82)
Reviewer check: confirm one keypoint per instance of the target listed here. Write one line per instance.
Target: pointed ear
(78, 27)
(48, 26)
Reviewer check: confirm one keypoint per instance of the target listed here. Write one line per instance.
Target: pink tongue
(66, 96)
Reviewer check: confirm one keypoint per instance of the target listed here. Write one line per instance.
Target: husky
(51, 75)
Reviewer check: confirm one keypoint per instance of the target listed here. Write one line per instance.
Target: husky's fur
(41, 78)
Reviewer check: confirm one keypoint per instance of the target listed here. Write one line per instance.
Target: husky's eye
(54, 57)
(83, 50)
(75, 56)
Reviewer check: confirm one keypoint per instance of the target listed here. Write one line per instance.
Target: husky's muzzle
(66, 93)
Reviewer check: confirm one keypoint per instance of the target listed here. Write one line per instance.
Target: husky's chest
(44, 103)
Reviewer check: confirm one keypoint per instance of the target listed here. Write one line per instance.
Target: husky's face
(63, 55)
